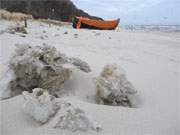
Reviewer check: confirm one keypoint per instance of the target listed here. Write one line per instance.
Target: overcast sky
(134, 11)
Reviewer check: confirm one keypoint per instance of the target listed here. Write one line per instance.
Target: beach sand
(151, 62)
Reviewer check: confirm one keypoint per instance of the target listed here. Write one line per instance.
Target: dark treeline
(63, 10)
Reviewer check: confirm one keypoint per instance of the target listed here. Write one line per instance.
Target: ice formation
(39, 104)
(113, 88)
(5, 78)
(42, 67)
(72, 118)
(55, 113)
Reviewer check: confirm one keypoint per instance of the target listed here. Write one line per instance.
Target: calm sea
(163, 28)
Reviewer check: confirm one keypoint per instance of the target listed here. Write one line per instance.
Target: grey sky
(134, 11)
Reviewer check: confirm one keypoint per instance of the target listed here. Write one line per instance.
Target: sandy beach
(151, 62)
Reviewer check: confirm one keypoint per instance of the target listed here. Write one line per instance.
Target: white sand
(151, 60)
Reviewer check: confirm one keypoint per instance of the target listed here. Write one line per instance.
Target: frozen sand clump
(55, 113)
(40, 105)
(42, 67)
(113, 88)
(72, 118)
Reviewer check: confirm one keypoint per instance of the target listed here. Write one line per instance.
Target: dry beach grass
(15, 16)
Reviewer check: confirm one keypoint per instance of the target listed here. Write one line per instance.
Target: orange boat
(81, 22)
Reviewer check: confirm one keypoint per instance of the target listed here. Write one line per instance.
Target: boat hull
(80, 22)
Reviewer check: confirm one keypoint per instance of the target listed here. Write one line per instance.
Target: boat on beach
(81, 22)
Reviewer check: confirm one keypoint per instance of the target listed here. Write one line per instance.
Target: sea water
(163, 28)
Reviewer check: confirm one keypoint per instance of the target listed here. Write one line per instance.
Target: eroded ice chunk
(72, 118)
(113, 88)
(39, 104)
(55, 113)
(41, 67)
